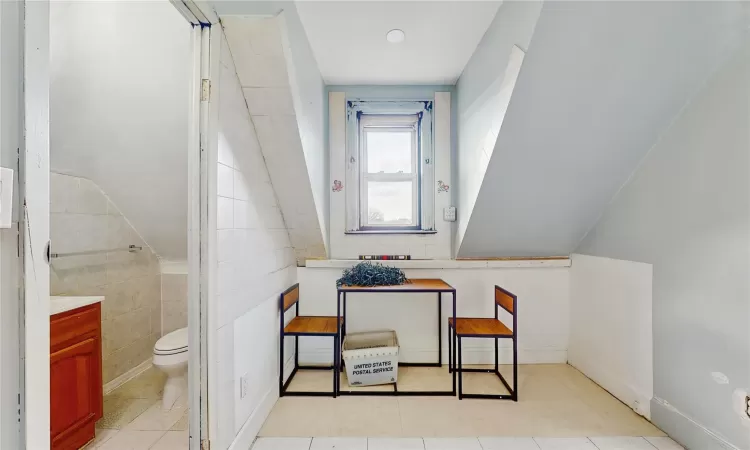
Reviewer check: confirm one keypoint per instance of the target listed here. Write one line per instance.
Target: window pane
(389, 203)
(389, 151)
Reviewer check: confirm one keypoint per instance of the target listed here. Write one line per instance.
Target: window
(390, 163)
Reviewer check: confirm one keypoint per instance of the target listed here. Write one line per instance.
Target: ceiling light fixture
(395, 36)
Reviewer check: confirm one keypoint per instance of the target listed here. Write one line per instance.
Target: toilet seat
(172, 343)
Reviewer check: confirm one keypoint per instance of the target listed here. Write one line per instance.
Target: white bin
(371, 358)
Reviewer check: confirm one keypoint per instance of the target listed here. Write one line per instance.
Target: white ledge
(445, 263)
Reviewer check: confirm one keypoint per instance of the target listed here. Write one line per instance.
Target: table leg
(343, 336)
(455, 343)
(339, 355)
(440, 329)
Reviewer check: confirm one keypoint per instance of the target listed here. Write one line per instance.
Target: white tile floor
(133, 418)
(482, 443)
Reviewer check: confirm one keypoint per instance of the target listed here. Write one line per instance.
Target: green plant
(369, 274)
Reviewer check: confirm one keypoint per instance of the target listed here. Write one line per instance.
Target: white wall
(477, 91)
(610, 327)
(600, 82)
(308, 95)
(118, 108)
(686, 211)
(350, 246)
(543, 312)
(255, 263)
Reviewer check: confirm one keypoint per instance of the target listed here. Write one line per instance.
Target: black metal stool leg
(460, 372)
(281, 361)
(335, 370)
(450, 357)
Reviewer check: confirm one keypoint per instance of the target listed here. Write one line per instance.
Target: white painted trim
(197, 391)
(687, 427)
(127, 376)
(251, 428)
(211, 69)
(424, 190)
(34, 184)
(168, 267)
(445, 263)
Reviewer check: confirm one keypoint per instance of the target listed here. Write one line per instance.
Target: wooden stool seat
(313, 325)
(479, 327)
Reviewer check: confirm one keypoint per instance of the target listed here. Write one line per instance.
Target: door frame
(200, 15)
(34, 195)
(34, 389)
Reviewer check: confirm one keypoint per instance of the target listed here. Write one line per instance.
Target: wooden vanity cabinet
(76, 398)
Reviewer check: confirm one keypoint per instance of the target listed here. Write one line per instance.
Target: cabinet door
(75, 393)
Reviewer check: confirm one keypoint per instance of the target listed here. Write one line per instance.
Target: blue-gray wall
(687, 211)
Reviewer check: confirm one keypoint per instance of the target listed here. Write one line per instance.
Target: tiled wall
(255, 264)
(284, 93)
(174, 301)
(82, 218)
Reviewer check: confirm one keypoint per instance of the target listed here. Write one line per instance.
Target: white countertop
(61, 304)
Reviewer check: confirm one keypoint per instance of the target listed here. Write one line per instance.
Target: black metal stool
(466, 327)
(306, 326)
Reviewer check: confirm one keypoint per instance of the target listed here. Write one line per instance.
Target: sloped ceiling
(119, 110)
(284, 93)
(600, 82)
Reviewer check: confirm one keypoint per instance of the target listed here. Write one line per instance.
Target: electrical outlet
(449, 214)
(244, 384)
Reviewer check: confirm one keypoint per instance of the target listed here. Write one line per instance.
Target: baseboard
(638, 401)
(469, 356)
(251, 427)
(685, 430)
(127, 376)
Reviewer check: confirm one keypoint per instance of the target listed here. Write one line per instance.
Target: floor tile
(452, 444)
(156, 419)
(621, 443)
(181, 424)
(148, 384)
(395, 444)
(102, 436)
(282, 443)
(173, 440)
(571, 443)
(132, 440)
(556, 400)
(664, 443)
(338, 443)
(120, 411)
(507, 443)
(375, 417)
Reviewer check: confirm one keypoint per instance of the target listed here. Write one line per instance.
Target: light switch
(449, 214)
(6, 197)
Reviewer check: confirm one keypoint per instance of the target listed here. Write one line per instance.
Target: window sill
(392, 232)
(446, 263)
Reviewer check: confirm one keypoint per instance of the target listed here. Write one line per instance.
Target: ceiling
(348, 39)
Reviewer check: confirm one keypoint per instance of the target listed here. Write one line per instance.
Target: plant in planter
(369, 274)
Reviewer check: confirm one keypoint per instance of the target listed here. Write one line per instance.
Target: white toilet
(171, 357)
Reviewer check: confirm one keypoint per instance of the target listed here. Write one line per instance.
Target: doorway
(87, 227)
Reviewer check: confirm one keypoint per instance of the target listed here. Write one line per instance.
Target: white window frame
(384, 124)
(362, 115)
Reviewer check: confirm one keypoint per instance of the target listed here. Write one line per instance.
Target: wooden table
(412, 286)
